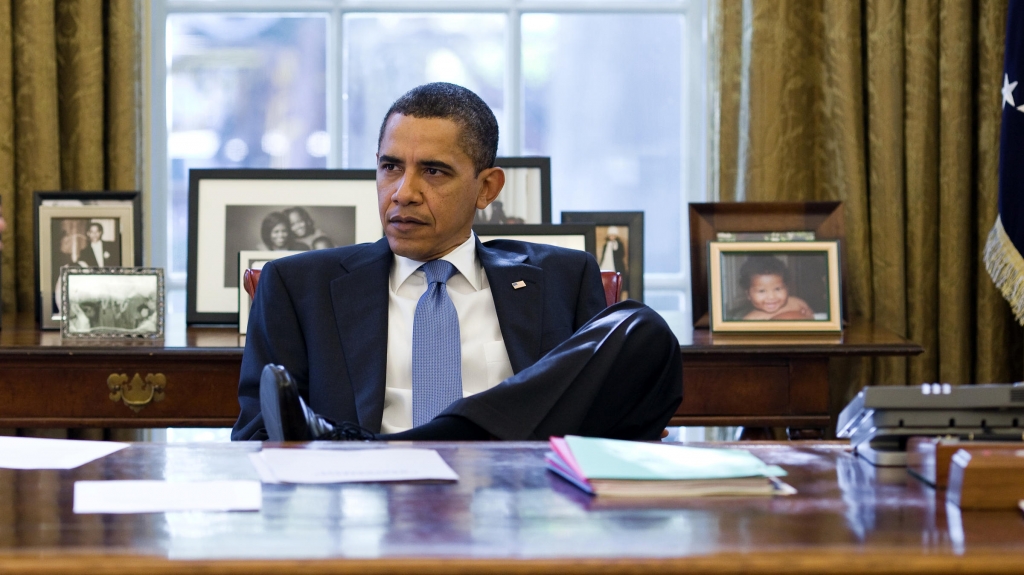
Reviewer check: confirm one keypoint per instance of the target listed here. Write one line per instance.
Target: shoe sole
(270, 403)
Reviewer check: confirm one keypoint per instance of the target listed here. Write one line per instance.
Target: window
(612, 90)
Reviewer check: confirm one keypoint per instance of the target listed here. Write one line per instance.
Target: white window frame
(693, 99)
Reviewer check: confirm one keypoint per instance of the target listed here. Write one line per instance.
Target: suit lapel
(520, 310)
(360, 300)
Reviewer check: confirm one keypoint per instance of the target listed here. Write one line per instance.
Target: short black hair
(762, 266)
(462, 106)
(97, 224)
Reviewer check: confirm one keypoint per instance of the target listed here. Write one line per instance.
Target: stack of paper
(350, 465)
(613, 468)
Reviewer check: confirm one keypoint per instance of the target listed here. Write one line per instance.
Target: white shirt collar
(464, 259)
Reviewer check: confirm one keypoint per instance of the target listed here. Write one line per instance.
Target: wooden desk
(45, 382)
(505, 515)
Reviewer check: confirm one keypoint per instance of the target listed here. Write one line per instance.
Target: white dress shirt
(97, 250)
(485, 361)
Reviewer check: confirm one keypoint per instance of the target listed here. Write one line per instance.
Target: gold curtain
(893, 107)
(70, 114)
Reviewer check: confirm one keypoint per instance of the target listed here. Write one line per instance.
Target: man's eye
(433, 172)
(388, 167)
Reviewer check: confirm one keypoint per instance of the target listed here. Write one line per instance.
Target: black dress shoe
(287, 417)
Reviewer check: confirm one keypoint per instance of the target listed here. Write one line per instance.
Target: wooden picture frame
(61, 218)
(572, 236)
(824, 219)
(112, 303)
(775, 287)
(228, 209)
(526, 197)
(632, 260)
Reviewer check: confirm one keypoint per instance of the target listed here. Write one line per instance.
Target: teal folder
(615, 459)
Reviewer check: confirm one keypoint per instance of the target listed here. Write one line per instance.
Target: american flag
(1006, 240)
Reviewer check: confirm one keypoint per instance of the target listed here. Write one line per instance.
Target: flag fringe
(1006, 266)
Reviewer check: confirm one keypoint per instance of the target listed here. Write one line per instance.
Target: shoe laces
(348, 431)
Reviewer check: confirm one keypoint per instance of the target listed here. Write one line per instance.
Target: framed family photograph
(620, 246)
(526, 197)
(82, 230)
(775, 287)
(754, 221)
(572, 236)
(267, 210)
(248, 259)
(112, 302)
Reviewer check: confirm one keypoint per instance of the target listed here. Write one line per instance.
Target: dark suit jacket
(113, 260)
(324, 316)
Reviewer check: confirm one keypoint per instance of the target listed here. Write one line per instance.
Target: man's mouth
(405, 223)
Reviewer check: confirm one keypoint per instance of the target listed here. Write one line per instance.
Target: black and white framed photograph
(619, 246)
(775, 286)
(252, 260)
(572, 236)
(84, 230)
(112, 302)
(268, 210)
(526, 197)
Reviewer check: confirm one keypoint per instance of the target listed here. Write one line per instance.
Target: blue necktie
(436, 347)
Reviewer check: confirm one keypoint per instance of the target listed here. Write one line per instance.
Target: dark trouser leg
(619, 376)
(441, 428)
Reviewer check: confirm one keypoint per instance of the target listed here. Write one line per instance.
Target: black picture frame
(255, 183)
(512, 165)
(45, 320)
(527, 233)
(633, 280)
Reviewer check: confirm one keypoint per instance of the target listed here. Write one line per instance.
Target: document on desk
(151, 496)
(38, 453)
(350, 465)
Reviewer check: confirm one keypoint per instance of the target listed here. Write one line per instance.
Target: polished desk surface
(20, 335)
(505, 515)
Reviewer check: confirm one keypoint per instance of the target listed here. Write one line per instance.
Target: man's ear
(493, 180)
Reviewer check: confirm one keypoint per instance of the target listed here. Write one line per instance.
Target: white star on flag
(1008, 92)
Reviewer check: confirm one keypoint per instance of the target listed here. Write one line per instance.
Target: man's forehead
(404, 135)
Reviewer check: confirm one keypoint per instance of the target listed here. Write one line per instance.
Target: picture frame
(572, 236)
(775, 286)
(234, 209)
(252, 259)
(63, 222)
(707, 220)
(112, 303)
(628, 227)
(526, 197)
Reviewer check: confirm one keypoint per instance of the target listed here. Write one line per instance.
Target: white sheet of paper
(37, 453)
(353, 465)
(151, 496)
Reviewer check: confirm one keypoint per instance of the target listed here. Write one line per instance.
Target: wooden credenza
(191, 378)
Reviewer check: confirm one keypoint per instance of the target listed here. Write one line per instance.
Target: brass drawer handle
(137, 393)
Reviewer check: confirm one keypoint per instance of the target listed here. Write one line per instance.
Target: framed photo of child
(775, 287)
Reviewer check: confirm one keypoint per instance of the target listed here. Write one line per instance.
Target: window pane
(242, 91)
(602, 98)
(388, 54)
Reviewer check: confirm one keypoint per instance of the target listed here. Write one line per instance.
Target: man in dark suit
(99, 253)
(363, 329)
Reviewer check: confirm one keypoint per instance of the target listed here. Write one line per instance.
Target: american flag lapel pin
(518, 284)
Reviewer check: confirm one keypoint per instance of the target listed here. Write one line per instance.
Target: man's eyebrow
(389, 160)
(436, 164)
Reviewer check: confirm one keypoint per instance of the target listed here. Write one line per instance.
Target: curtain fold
(70, 119)
(891, 106)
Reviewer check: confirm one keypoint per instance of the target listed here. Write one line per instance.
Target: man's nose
(407, 191)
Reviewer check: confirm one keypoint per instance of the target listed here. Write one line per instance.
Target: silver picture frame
(112, 303)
